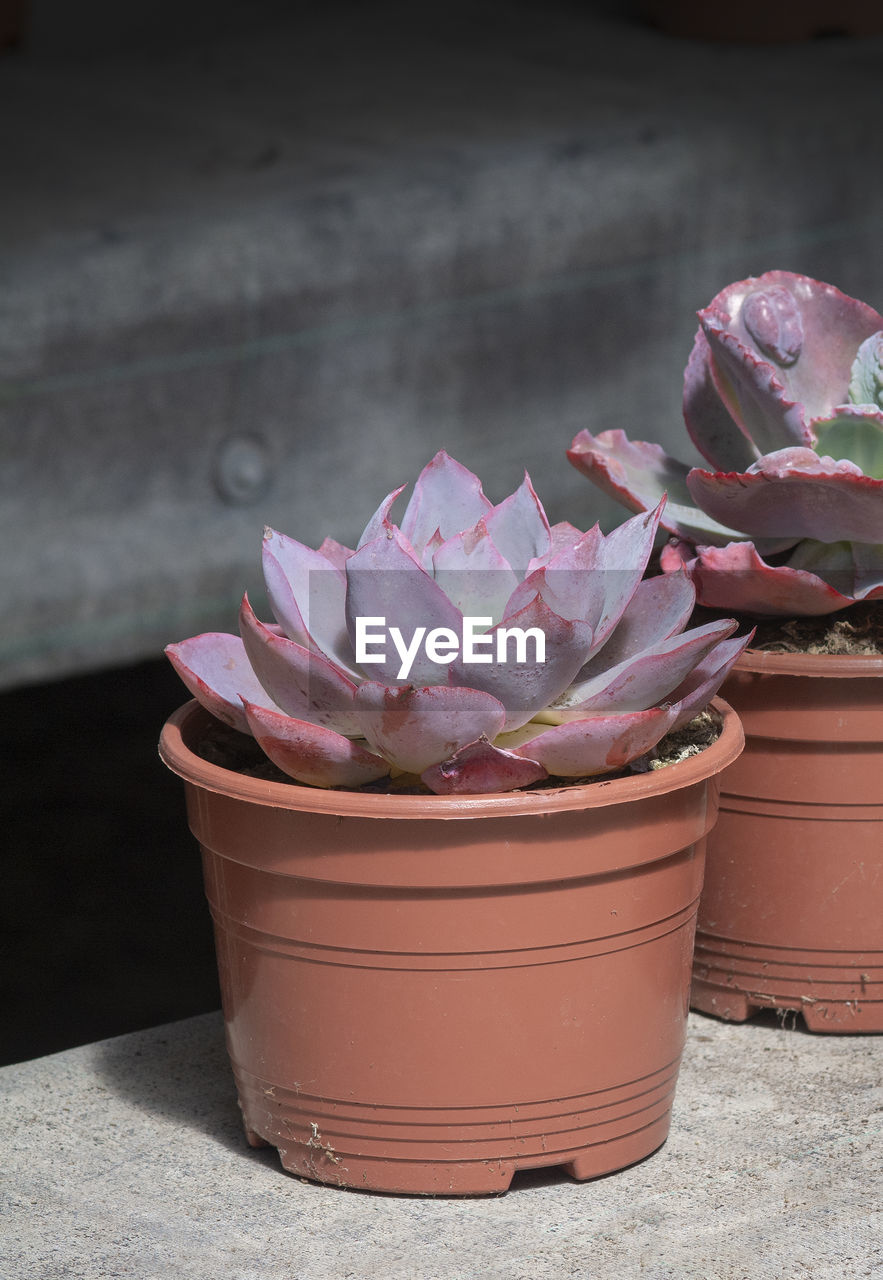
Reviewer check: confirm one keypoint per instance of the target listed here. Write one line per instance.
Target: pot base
(832, 991)
(394, 1150)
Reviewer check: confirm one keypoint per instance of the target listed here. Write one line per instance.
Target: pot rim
(184, 724)
(834, 665)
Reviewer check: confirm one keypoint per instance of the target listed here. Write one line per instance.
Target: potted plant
(446, 952)
(782, 395)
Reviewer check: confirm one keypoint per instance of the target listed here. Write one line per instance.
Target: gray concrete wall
(257, 270)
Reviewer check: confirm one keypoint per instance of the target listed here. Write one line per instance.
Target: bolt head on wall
(242, 470)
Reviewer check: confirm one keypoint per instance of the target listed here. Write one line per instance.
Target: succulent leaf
(481, 767)
(696, 690)
(738, 579)
(302, 683)
(567, 582)
(597, 744)
(639, 475)
(834, 327)
(868, 562)
(519, 527)
(855, 433)
(793, 493)
(594, 580)
(383, 580)
(644, 679)
(772, 318)
(379, 525)
(447, 499)
(561, 536)
(473, 574)
(311, 753)
(306, 593)
(621, 559)
(523, 685)
(335, 553)
(415, 728)
(866, 382)
(215, 668)
(660, 608)
(753, 391)
(707, 418)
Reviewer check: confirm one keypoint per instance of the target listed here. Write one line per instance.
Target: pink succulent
(783, 395)
(334, 703)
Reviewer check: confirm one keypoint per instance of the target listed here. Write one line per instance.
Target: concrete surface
(257, 267)
(125, 1158)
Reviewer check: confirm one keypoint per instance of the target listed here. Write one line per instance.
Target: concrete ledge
(126, 1158)
(257, 270)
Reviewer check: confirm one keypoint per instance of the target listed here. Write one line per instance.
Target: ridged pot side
(424, 994)
(791, 916)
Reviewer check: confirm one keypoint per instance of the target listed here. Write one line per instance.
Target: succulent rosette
(783, 396)
(472, 645)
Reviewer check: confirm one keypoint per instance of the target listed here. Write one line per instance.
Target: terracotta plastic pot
(424, 994)
(791, 915)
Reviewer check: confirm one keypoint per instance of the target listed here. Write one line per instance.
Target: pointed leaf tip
(480, 768)
(312, 754)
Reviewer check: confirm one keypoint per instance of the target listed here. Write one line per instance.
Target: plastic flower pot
(424, 994)
(791, 915)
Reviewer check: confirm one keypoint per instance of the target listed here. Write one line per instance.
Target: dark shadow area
(181, 1074)
(773, 1019)
(103, 917)
(527, 1179)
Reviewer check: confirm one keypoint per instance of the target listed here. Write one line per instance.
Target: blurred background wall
(257, 267)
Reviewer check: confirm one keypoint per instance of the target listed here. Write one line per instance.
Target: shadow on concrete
(181, 1074)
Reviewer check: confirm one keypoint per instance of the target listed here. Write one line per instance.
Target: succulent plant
(783, 396)
(472, 645)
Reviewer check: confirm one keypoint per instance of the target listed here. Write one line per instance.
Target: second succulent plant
(783, 396)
